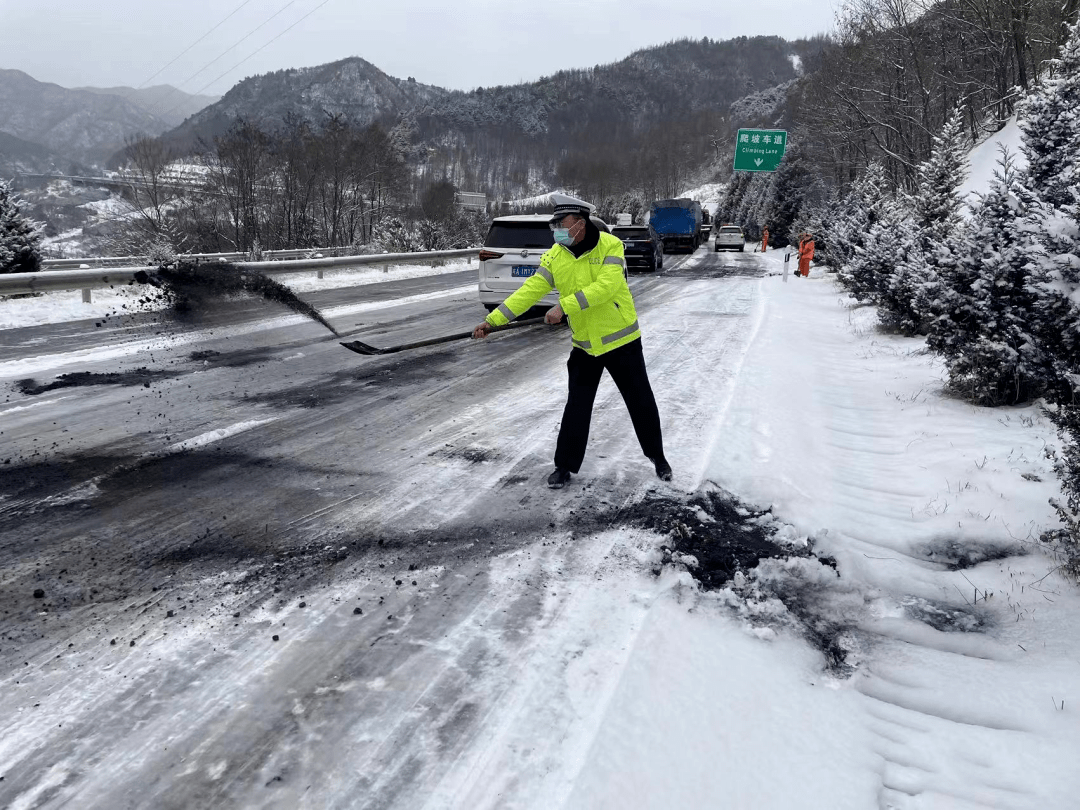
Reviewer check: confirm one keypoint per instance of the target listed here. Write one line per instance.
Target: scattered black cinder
(957, 555)
(275, 637)
(724, 535)
(195, 286)
(39, 593)
(727, 537)
(78, 379)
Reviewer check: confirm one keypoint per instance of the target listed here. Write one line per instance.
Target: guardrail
(88, 279)
(130, 261)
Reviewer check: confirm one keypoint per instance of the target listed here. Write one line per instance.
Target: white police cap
(565, 204)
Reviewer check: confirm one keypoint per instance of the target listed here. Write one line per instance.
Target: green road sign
(759, 150)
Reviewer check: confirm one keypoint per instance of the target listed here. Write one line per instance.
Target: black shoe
(663, 469)
(560, 478)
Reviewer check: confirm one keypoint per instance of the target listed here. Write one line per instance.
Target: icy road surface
(241, 466)
(274, 573)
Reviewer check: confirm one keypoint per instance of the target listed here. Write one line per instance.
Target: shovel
(364, 348)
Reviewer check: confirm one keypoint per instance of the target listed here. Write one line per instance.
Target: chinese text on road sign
(759, 150)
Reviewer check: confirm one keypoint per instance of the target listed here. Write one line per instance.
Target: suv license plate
(522, 270)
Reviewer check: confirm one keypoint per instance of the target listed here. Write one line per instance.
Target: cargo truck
(678, 223)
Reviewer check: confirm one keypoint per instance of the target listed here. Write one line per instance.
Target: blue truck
(677, 223)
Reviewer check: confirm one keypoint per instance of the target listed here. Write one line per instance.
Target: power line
(193, 44)
(235, 44)
(238, 64)
(268, 43)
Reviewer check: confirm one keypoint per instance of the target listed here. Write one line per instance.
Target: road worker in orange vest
(806, 253)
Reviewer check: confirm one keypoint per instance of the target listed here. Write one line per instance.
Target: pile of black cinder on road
(193, 287)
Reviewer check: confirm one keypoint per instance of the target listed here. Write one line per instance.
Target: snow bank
(960, 631)
(865, 412)
(308, 281)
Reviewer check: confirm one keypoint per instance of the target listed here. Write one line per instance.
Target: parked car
(511, 254)
(729, 237)
(642, 247)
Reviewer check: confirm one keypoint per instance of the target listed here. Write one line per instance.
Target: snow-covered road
(277, 574)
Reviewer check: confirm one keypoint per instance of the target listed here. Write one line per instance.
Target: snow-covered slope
(707, 194)
(983, 159)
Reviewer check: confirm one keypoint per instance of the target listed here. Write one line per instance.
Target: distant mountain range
(163, 101)
(497, 139)
(44, 126)
(485, 136)
(654, 84)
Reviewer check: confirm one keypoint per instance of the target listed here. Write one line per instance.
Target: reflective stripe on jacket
(592, 292)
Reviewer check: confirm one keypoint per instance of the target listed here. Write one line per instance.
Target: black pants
(626, 365)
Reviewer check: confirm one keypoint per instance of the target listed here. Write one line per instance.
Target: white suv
(511, 254)
(729, 237)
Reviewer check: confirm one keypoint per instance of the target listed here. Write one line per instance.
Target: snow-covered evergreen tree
(20, 239)
(745, 215)
(987, 306)
(820, 210)
(757, 214)
(917, 288)
(732, 199)
(937, 201)
(904, 273)
(789, 189)
(396, 236)
(890, 244)
(849, 235)
(1050, 120)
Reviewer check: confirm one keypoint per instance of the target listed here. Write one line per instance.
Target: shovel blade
(362, 348)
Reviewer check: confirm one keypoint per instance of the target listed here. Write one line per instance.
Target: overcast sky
(459, 44)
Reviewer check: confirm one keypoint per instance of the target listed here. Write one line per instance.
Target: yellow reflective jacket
(592, 292)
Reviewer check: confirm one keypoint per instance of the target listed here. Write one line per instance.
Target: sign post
(759, 150)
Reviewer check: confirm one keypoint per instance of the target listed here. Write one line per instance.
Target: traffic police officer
(587, 266)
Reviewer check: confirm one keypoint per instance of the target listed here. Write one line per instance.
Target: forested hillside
(654, 117)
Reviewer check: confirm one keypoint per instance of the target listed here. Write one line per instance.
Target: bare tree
(241, 173)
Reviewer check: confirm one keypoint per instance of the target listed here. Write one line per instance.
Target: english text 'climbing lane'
(759, 150)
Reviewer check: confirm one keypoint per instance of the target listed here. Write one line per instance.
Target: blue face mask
(562, 237)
